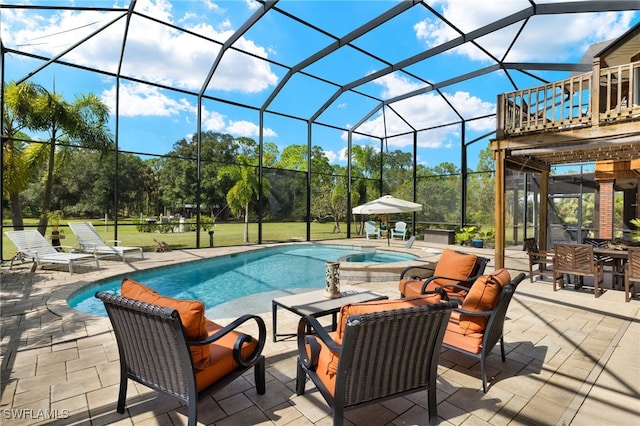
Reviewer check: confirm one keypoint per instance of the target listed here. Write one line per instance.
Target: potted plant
(474, 236)
(465, 235)
(54, 217)
(483, 237)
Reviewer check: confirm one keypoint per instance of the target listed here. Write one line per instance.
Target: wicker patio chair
(540, 258)
(380, 355)
(477, 326)
(577, 260)
(454, 267)
(155, 351)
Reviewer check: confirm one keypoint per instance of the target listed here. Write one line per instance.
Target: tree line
(73, 168)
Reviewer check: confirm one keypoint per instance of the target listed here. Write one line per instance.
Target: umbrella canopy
(387, 205)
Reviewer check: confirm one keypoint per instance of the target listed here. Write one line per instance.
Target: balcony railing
(570, 103)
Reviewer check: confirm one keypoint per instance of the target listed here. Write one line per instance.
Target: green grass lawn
(225, 234)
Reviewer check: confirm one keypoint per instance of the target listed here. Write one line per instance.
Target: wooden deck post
(595, 93)
(499, 157)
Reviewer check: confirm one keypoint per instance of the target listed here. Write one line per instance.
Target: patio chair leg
(192, 412)
(122, 396)
(259, 373)
(301, 378)
(432, 402)
(483, 373)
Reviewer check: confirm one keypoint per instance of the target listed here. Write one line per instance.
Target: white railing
(569, 104)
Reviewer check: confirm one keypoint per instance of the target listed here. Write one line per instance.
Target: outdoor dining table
(619, 257)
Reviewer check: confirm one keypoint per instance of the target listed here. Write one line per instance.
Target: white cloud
(332, 156)
(247, 128)
(252, 4)
(143, 100)
(424, 111)
(396, 84)
(213, 6)
(213, 121)
(535, 42)
(185, 59)
(342, 155)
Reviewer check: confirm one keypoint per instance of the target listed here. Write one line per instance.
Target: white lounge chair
(400, 230)
(91, 242)
(33, 246)
(370, 228)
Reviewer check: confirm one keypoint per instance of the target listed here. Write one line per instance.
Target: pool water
(375, 257)
(221, 279)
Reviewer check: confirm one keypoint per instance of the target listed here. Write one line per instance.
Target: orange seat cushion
(326, 372)
(453, 336)
(483, 296)
(410, 287)
(191, 315)
(220, 361)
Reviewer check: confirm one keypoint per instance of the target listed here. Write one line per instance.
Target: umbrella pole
(388, 233)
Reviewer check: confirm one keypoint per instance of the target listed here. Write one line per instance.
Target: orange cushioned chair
(380, 350)
(169, 345)
(477, 326)
(453, 267)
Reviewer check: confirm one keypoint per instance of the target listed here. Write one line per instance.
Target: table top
(619, 253)
(314, 302)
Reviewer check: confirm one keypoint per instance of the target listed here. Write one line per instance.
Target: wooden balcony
(588, 117)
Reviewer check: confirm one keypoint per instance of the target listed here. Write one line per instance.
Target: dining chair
(577, 260)
(540, 258)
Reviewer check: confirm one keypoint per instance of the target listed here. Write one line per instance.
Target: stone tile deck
(572, 359)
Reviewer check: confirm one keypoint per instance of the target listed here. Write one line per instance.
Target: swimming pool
(224, 278)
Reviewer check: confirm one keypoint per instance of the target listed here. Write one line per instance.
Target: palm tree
(79, 123)
(245, 189)
(16, 162)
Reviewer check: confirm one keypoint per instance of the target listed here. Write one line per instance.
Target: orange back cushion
(483, 296)
(375, 306)
(191, 315)
(381, 305)
(454, 265)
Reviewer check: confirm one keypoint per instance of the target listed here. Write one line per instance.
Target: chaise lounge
(91, 242)
(33, 246)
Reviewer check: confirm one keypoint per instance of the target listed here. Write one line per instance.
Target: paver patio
(572, 359)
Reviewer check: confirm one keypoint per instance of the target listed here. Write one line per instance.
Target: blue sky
(153, 118)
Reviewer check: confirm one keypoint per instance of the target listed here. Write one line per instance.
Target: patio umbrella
(387, 205)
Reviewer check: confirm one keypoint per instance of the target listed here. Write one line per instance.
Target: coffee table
(315, 304)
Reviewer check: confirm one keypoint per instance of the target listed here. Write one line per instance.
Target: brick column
(606, 209)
